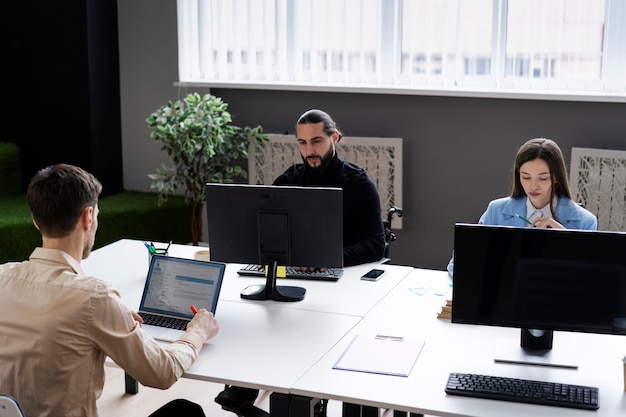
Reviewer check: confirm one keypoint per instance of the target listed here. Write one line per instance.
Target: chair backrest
(389, 235)
(9, 407)
(598, 183)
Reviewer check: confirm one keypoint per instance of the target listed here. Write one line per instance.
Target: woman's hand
(547, 223)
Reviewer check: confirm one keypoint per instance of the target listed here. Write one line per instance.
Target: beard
(87, 250)
(89, 245)
(324, 162)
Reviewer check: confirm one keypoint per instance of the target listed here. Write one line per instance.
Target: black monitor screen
(298, 226)
(572, 280)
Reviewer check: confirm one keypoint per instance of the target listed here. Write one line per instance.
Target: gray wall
(458, 152)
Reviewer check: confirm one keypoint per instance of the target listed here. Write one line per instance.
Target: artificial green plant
(204, 146)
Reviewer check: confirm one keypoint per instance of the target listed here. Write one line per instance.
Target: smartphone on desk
(373, 275)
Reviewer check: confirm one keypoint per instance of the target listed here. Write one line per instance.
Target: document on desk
(388, 355)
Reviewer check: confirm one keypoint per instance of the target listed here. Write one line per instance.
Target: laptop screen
(174, 284)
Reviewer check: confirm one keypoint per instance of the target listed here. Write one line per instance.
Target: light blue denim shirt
(502, 212)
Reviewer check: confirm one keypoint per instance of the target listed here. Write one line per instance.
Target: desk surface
(292, 347)
(263, 344)
(125, 265)
(451, 347)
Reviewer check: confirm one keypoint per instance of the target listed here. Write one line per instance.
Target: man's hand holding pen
(203, 321)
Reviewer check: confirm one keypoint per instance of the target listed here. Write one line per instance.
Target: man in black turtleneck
(363, 232)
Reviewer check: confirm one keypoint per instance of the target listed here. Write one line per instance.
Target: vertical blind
(568, 45)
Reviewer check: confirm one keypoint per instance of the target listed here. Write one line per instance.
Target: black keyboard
(162, 321)
(523, 391)
(330, 274)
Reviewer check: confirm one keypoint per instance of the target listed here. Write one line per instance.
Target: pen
(193, 308)
(168, 246)
(523, 218)
(149, 247)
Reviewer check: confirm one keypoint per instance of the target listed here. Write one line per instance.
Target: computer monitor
(275, 226)
(539, 280)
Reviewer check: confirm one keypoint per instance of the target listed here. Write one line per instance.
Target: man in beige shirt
(57, 326)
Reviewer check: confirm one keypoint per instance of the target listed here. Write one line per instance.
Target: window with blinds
(573, 46)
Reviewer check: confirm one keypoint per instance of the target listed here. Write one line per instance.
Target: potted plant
(204, 146)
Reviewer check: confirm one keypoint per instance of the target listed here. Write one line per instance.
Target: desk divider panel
(598, 183)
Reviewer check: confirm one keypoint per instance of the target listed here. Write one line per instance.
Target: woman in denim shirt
(541, 195)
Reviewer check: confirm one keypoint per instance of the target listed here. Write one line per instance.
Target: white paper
(388, 355)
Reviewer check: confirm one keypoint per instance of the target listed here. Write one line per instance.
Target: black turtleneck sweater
(363, 233)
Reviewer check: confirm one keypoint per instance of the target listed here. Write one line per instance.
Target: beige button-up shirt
(56, 328)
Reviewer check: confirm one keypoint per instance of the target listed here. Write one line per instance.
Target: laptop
(173, 285)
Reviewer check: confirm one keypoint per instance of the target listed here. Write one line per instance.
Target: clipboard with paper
(387, 355)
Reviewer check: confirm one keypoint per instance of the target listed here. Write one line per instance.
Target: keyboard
(523, 391)
(330, 274)
(163, 321)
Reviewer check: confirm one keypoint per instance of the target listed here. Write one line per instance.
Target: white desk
(262, 344)
(125, 264)
(290, 348)
(453, 347)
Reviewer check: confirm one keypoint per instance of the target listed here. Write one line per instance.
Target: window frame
(613, 61)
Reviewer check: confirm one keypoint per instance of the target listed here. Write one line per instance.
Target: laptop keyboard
(330, 274)
(162, 321)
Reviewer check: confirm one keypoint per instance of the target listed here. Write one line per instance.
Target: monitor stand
(271, 291)
(535, 348)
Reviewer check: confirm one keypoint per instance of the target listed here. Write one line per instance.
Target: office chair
(9, 407)
(389, 235)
